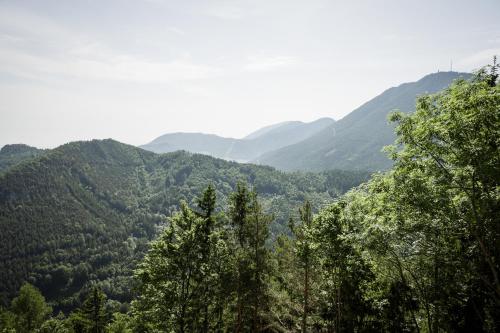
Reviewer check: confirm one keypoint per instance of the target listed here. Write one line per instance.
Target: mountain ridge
(356, 140)
(13, 154)
(243, 150)
(102, 201)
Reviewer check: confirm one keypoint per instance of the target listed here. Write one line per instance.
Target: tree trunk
(306, 297)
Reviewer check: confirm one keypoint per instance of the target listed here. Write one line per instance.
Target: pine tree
(493, 74)
(206, 203)
(305, 248)
(92, 314)
(238, 211)
(258, 296)
(251, 228)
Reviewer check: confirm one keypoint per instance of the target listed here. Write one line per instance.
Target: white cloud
(478, 59)
(176, 31)
(225, 11)
(268, 63)
(87, 63)
(66, 53)
(20, 25)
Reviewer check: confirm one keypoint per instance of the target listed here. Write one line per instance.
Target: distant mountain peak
(358, 138)
(242, 150)
(13, 154)
(16, 148)
(293, 123)
(267, 129)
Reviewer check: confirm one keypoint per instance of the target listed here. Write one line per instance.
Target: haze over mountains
(353, 142)
(102, 201)
(356, 141)
(243, 150)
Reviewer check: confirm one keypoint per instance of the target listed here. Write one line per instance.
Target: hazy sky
(133, 70)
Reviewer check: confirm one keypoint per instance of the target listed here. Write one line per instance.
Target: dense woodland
(85, 212)
(11, 155)
(413, 249)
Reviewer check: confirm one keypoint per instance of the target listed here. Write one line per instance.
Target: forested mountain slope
(355, 141)
(11, 155)
(261, 141)
(85, 211)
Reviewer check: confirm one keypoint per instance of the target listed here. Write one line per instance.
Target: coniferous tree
(305, 248)
(238, 212)
(205, 281)
(259, 257)
(91, 316)
(251, 229)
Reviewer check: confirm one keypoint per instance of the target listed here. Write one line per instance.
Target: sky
(134, 70)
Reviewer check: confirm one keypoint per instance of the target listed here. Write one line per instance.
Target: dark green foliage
(252, 256)
(202, 279)
(414, 249)
(84, 213)
(306, 253)
(119, 324)
(91, 317)
(207, 201)
(344, 273)
(57, 324)
(12, 155)
(175, 281)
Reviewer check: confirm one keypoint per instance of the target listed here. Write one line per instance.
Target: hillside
(11, 155)
(85, 211)
(355, 141)
(267, 129)
(253, 145)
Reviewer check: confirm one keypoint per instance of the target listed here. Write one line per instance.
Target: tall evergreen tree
(238, 213)
(258, 254)
(205, 278)
(305, 248)
(91, 316)
(251, 229)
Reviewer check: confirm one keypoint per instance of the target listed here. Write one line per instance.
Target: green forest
(85, 212)
(413, 249)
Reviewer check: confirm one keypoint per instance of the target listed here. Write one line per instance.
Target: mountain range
(356, 141)
(11, 155)
(353, 142)
(84, 212)
(242, 150)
